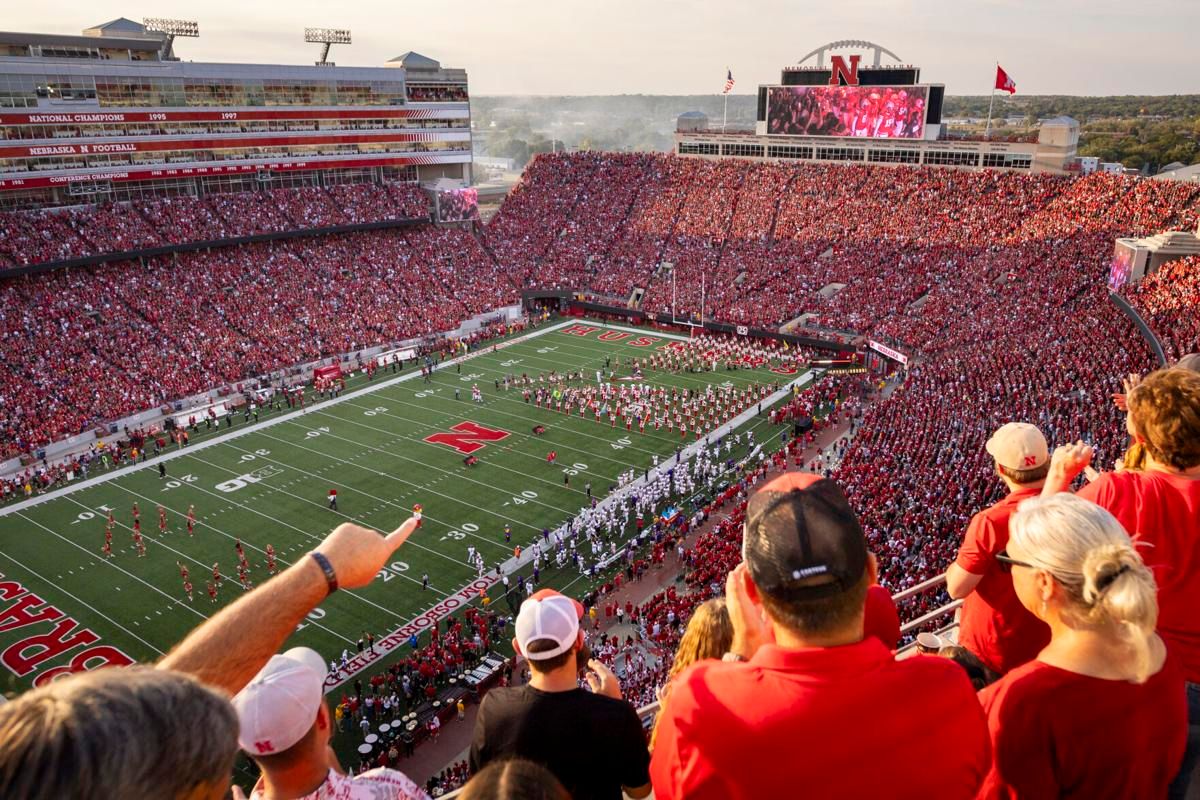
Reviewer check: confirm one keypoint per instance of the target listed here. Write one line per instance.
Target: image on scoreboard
(458, 205)
(1120, 269)
(877, 112)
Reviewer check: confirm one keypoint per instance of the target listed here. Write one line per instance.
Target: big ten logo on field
(51, 635)
(467, 437)
(612, 336)
(241, 481)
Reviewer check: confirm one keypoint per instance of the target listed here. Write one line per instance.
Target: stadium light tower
(326, 37)
(172, 28)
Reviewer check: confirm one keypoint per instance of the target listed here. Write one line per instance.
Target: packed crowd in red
(86, 345)
(1169, 300)
(36, 237)
(972, 273)
(763, 243)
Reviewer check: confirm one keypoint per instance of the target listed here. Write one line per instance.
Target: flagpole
(725, 113)
(987, 133)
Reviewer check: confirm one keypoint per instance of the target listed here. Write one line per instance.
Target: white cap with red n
(280, 703)
(1018, 445)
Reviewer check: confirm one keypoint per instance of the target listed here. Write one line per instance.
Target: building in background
(113, 114)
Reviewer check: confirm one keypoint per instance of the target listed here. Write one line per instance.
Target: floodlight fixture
(326, 37)
(171, 27)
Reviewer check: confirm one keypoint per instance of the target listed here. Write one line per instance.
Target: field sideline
(67, 605)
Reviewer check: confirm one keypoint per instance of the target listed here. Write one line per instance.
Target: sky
(508, 47)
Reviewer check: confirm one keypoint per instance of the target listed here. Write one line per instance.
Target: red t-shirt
(881, 619)
(1163, 511)
(1060, 734)
(846, 721)
(994, 625)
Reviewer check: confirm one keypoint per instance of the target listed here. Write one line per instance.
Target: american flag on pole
(728, 81)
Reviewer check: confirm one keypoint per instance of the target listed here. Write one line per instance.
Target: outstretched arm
(230, 648)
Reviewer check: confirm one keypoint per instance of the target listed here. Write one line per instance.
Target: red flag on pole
(1003, 82)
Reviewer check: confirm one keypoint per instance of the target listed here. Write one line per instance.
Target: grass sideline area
(267, 484)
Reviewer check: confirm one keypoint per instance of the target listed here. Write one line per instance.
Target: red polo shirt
(994, 625)
(1163, 511)
(846, 721)
(881, 618)
(1060, 734)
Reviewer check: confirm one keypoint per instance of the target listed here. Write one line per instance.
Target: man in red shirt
(994, 625)
(803, 703)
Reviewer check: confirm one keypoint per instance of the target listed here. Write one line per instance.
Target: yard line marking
(417, 489)
(247, 507)
(253, 427)
(61, 588)
(427, 466)
(112, 563)
(306, 501)
(159, 541)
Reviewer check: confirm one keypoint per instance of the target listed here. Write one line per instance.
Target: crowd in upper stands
(35, 237)
(1168, 299)
(764, 242)
(86, 345)
(896, 253)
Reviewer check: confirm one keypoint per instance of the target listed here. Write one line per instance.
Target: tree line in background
(1145, 132)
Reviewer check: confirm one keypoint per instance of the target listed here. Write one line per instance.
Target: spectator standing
(1159, 505)
(286, 728)
(994, 625)
(592, 741)
(808, 710)
(1052, 721)
(708, 634)
(177, 736)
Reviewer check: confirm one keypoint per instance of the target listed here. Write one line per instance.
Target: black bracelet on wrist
(327, 568)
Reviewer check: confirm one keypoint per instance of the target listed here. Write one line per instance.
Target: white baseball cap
(548, 615)
(1018, 445)
(280, 704)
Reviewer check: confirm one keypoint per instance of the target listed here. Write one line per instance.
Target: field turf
(267, 484)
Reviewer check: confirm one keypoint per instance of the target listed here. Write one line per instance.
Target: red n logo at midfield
(467, 437)
(840, 72)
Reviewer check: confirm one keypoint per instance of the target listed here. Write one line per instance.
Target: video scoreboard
(845, 98)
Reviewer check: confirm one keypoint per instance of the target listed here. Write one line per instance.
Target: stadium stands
(28, 238)
(1169, 300)
(992, 282)
(976, 270)
(86, 345)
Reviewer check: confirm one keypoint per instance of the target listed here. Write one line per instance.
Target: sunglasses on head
(1007, 563)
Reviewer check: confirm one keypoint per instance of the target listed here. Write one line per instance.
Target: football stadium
(316, 482)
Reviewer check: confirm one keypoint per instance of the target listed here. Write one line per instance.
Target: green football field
(267, 484)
